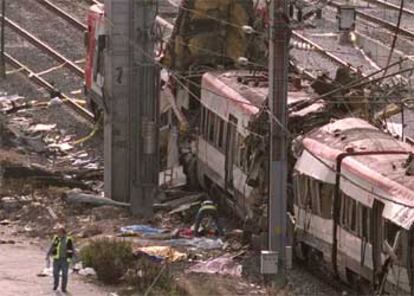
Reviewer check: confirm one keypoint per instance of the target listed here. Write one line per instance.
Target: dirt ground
(21, 262)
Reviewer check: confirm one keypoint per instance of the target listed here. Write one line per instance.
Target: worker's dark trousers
(60, 265)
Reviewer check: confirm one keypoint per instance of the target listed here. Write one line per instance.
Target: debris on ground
(162, 252)
(79, 197)
(87, 271)
(141, 230)
(221, 265)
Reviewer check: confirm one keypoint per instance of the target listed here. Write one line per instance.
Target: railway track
(63, 14)
(323, 52)
(27, 64)
(48, 86)
(389, 5)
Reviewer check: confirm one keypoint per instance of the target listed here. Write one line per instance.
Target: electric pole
(278, 80)
(3, 21)
(130, 92)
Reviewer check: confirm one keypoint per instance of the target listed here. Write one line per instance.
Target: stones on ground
(7, 242)
(90, 230)
(10, 204)
(107, 212)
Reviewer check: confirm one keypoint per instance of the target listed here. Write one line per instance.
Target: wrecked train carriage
(354, 204)
(229, 158)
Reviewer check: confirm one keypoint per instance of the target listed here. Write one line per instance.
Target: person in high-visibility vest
(208, 210)
(62, 251)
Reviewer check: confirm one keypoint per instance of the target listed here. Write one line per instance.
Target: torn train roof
(250, 90)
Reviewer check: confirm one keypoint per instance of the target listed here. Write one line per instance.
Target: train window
(348, 213)
(390, 231)
(220, 131)
(236, 148)
(242, 153)
(352, 215)
(303, 193)
(211, 123)
(203, 111)
(364, 218)
(343, 209)
(326, 195)
(390, 234)
(315, 196)
(205, 123)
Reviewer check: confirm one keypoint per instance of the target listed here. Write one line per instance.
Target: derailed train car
(354, 204)
(229, 155)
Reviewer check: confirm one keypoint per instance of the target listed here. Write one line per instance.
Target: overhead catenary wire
(397, 29)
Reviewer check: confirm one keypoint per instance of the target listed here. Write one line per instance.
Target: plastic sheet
(220, 265)
(141, 229)
(198, 243)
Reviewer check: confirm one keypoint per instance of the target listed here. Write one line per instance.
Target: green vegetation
(156, 278)
(110, 258)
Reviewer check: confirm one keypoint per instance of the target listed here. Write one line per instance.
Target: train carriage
(354, 199)
(230, 102)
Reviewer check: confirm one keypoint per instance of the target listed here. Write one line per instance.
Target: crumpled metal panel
(307, 164)
(209, 33)
(399, 214)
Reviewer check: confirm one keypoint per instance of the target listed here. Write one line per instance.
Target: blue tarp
(141, 229)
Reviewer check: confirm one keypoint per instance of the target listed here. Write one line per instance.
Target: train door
(230, 146)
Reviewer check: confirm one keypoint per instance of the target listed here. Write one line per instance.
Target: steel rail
(324, 52)
(390, 6)
(63, 14)
(43, 83)
(43, 46)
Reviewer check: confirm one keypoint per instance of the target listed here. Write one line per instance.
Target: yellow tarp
(164, 251)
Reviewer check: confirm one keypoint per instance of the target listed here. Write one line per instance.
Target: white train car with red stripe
(354, 204)
(229, 154)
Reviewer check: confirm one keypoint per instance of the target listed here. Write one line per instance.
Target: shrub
(153, 276)
(110, 258)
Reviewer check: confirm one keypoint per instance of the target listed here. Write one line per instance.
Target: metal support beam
(131, 125)
(2, 58)
(278, 80)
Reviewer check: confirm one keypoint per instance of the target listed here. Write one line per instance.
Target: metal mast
(278, 78)
(131, 121)
(3, 19)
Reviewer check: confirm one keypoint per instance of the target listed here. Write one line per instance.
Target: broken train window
(302, 190)
(326, 192)
(396, 242)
